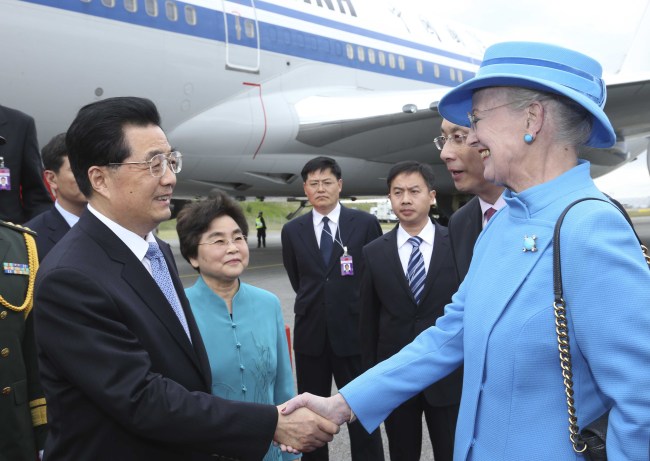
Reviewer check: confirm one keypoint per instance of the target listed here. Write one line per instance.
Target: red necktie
(489, 213)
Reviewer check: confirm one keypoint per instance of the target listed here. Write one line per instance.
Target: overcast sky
(603, 30)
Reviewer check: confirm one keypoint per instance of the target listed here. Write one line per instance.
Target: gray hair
(572, 122)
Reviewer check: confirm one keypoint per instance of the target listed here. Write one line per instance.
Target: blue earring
(528, 138)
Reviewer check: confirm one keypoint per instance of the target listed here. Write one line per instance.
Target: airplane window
(419, 67)
(401, 62)
(312, 44)
(86, 1)
(382, 59)
(452, 74)
(151, 7)
(349, 51)
(361, 53)
(459, 73)
(372, 57)
(249, 27)
(391, 60)
(108, 3)
(190, 15)
(436, 70)
(171, 10)
(238, 27)
(131, 5)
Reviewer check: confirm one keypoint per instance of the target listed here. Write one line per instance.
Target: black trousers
(314, 375)
(261, 238)
(404, 430)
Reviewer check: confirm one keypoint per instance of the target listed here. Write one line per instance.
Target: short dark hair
(411, 166)
(195, 218)
(320, 164)
(96, 136)
(54, 152)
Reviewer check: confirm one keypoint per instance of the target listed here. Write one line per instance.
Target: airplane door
(242, 36)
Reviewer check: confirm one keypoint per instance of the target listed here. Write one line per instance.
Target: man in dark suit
(22, 403)
(466, 168)
(23, 195)
(401, 296)
(120, 355)
(70, 203)
(315, 249)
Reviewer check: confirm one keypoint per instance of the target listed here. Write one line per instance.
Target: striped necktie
(415, 269)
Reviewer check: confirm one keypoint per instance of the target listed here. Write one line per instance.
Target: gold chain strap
(32, 258)
(562, 330)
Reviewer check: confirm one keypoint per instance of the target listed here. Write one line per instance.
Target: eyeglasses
(159, 162)
(222, 243)
(473, 119)
(325, 183)
(457, 139)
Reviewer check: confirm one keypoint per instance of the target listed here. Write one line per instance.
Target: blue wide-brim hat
(537, 66)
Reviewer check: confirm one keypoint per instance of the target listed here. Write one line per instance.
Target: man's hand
(303, 430)
(334, 408)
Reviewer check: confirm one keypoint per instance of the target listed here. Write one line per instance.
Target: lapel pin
(529, 243)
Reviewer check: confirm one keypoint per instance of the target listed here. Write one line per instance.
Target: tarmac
(266, 271)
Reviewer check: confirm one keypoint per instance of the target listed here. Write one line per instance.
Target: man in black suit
(22, 190)
(315, 249)
(70, 203)
(121, 358)
(466, 168)
(400, 300)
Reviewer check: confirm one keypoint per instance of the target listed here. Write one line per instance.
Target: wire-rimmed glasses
(456, 139)
(159, 162)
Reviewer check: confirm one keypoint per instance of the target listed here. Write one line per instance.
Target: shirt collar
(500, 203)
(427, 234)
(70, 218)
(334, 215)
(136, 244)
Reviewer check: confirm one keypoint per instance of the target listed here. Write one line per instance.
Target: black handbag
(591, 440)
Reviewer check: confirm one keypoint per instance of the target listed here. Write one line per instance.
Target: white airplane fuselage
(248, 90)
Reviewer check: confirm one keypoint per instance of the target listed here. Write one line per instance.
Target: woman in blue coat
(530, 107)
(241, 325)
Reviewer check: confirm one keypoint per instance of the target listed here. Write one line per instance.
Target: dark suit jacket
(124, 380)
(464, 226)
(327, 304)
(50, 227)
(390, 317)
(22, 157)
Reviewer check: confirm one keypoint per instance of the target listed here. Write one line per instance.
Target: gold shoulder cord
(33, 268)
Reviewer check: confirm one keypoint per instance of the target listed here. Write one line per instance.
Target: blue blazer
(501, 323)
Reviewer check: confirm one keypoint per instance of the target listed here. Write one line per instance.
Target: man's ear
(51, 178)
(99, 180)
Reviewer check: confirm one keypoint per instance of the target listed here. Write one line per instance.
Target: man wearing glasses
(465, 165)
(120, 354)
(322, 254)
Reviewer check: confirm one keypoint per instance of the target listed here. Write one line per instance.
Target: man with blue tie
(409, 278)
(321, 252)
(120, 355)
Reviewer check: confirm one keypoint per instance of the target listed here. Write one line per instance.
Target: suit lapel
(57, 225)
(391, 254)
(307, 235)
(440, 247)
(138, 278)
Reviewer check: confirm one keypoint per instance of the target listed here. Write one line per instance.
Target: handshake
(307, 421)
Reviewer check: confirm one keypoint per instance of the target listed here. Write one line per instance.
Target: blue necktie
(160, 274)
(415, 269)
(326, 242)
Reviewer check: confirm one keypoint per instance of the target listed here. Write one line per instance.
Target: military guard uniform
(22, 402)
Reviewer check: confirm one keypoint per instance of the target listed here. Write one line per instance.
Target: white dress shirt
(404, 248)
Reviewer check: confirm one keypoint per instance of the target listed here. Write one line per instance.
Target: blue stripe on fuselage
(275, 38)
